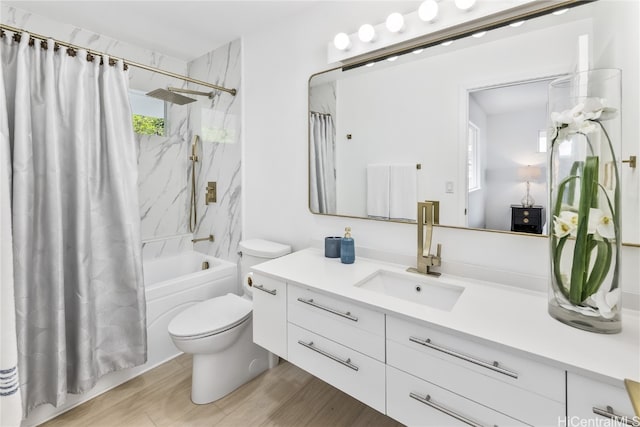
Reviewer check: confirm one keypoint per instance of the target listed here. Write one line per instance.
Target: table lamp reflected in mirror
(529, 173)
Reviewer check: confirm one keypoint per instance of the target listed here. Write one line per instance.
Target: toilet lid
(211, 316)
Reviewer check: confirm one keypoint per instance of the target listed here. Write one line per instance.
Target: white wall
(616, 46)
(277, 65)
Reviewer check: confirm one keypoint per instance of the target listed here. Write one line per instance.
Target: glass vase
(584, 165)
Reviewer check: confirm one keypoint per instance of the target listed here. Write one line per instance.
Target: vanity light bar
(468, 32)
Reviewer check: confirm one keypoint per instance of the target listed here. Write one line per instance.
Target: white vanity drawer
(339, 319)
(415, 402)
(348, 370)
(588, 399)
(270, 314)
(519, 387)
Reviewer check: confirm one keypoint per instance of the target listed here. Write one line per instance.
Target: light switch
(449, 187)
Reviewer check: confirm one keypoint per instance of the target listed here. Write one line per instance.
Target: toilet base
(218, 374)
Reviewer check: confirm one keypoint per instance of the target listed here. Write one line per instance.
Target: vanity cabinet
(426, 366)
(270, 314)
(588, 399)
(523, 389)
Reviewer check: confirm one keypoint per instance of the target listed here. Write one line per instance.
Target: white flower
(580, 118)
(572, 219)
(605, 302)
(567, 117)
(594, 219)
(563, 227)
(606, 228)
(583, 126)
(601, 224)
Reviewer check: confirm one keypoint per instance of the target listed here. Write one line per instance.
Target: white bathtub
(174, 283)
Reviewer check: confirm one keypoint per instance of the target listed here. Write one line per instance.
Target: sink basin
(413, 288)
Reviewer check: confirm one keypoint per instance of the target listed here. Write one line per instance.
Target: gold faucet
(428, 215)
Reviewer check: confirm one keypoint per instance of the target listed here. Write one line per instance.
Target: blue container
(347, 248)
(332, 247)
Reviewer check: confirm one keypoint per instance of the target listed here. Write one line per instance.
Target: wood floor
(283, 396)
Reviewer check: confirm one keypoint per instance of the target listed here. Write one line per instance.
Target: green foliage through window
(146, 125)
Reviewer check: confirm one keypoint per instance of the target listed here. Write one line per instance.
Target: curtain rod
(126, 61)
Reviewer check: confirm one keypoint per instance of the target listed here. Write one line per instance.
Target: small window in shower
(148, 113)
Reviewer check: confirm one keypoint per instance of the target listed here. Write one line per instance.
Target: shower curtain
(322, 164)
(79, 296)
(10, 400)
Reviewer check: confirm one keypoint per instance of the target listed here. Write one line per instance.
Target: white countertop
(505, 315)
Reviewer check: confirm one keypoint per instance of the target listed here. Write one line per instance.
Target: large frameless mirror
(466, 123)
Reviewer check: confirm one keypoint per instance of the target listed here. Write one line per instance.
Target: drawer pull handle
(346, 315)
(427, 401)
(346, 363)
(494, 366)
(263, 289)
(608, 413)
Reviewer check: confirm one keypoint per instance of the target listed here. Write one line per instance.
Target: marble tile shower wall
(164, 167)
(217, 122)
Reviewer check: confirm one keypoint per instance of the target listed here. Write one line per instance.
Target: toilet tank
(256, 251)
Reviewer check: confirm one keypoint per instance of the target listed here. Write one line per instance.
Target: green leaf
(599, 270)
(588, 189)
(576, 170)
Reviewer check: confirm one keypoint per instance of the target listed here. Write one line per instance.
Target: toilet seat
(211, 317)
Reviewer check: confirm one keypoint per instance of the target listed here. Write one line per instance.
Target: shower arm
(191, 92)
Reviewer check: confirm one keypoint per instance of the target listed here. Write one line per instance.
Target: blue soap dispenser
(347, 249)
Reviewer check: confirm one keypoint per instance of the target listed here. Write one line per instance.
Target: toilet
(219, 332)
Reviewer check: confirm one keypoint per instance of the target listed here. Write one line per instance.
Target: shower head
(170, 96)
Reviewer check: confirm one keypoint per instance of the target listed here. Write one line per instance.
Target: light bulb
(560, 12)
(447, 43)
(417, 51)
(370, 64)
(395, 23)
(341, 41)
(516, 24)
(478, 34)
(367, 33)
(465, 4)
(428, 10)
(392, 58)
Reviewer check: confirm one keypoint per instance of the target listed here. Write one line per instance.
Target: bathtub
(174, 283)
